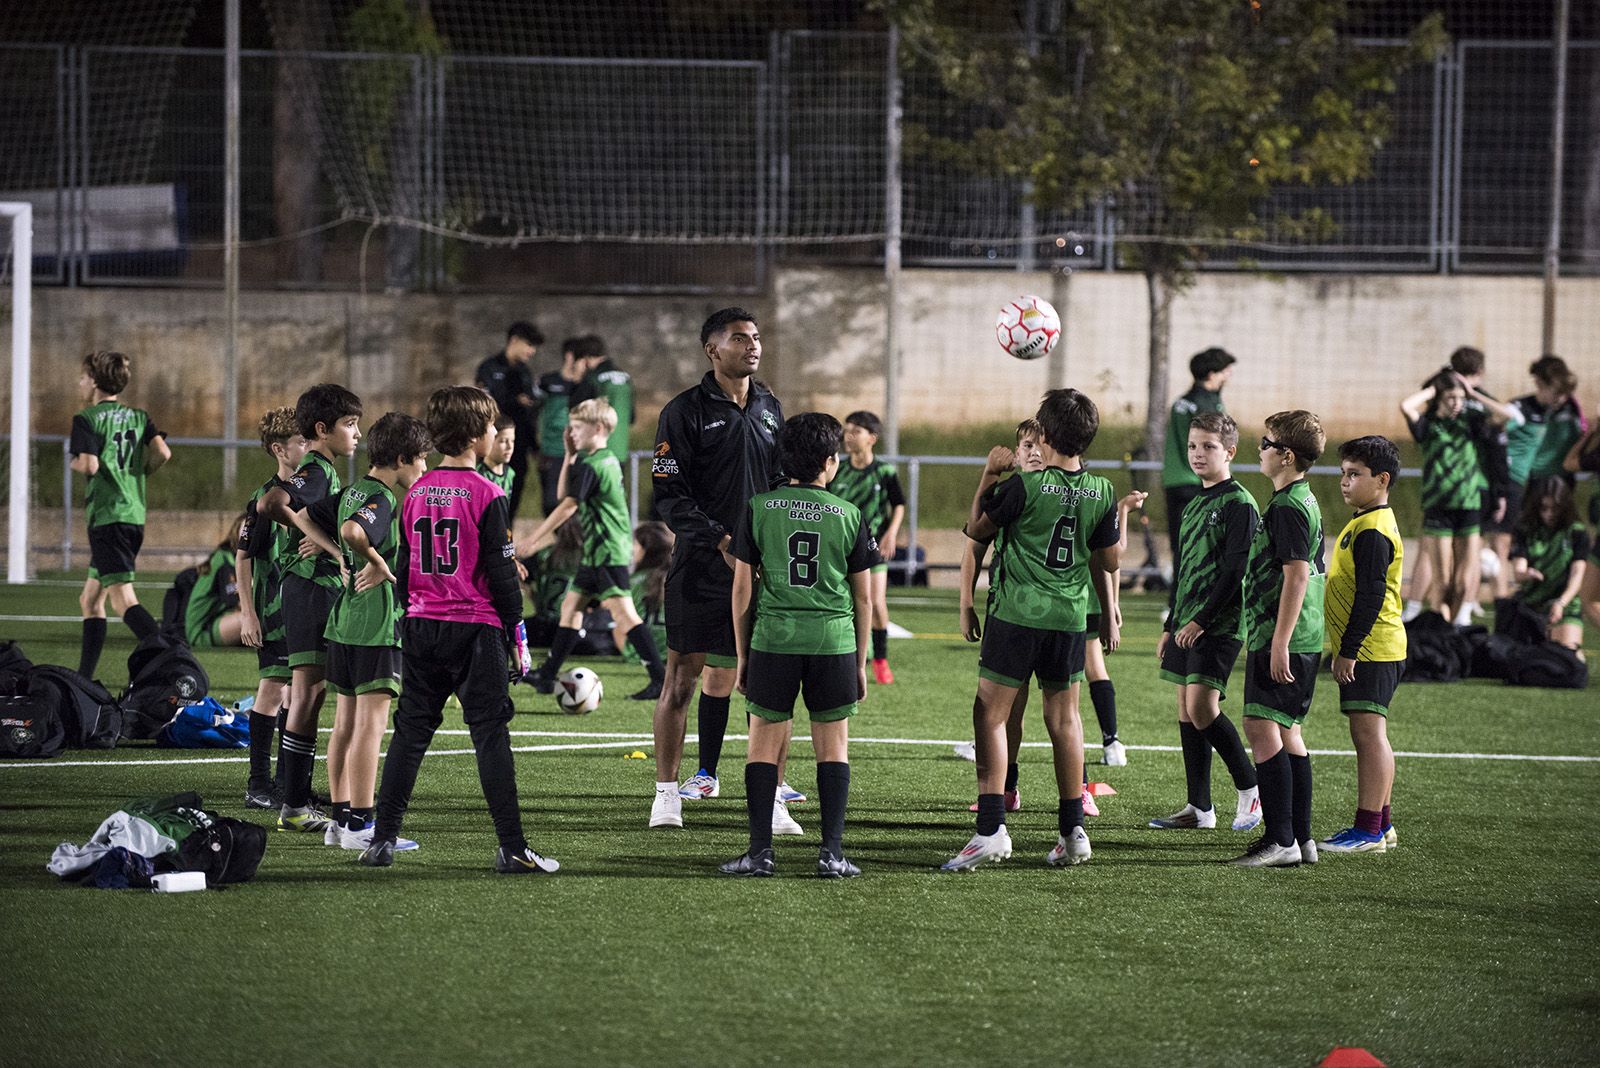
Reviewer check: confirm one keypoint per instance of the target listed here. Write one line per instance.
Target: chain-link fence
(447, 171)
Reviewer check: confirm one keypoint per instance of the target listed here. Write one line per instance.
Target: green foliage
(377, 90)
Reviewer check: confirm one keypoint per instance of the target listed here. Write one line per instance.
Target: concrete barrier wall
(1347, 346)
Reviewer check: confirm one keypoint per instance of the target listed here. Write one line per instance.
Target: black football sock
(1103, 695)
(295, 758)
(833, 784)
(760, 790)
(356, 818)
(644, 643)
(1069, 814)
(262, 729)
(1300, 770)
(713, 725)
(497, 775)
(141, 622)
(1196, 765)
(340, 813)
(560, 648)
(1277, 790)
(1224, 738)
(283, 725)
(991, 813)
(1011, 777)
(880, 644)
(94, 640)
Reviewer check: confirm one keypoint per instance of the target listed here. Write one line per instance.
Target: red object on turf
(1350, 1057)
(881, 673)
(1101, 789)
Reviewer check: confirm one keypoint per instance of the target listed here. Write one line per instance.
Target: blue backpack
(206, 724)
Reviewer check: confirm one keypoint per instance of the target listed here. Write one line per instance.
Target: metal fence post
(66, 504)
(914, 466)
(633, 489)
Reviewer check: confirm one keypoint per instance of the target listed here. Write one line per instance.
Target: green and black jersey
(117, 435)
(505, 479)
(548, 579)
(1537, 446)
(214, 594)
(595, 481)
(269, 548)
(875, 489)
(1175, 469)
(1552, 553)
(806, 543)
(1214, 540)
(1452, 471)
(371, 617)
(653, 616)
(1291, 529)
(315, 481)
(1052, 520)
(615, 386)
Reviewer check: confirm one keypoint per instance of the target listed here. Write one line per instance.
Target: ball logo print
(579, 691)
(1028, 328)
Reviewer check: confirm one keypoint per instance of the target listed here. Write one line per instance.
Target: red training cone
(1350, 1057)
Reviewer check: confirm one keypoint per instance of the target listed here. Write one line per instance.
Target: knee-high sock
(644, 643)
(296, 757)
(94, 640)
(1103, 695)
(760, 791)
(1277, 789)
(713, 717)
(560, 648)
(833, 784)
(880, 643)
(1224, 738)
(1196, 765)
(140, 621)
(1300, 768)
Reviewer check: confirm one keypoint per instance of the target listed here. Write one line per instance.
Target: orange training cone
(1350, 1057)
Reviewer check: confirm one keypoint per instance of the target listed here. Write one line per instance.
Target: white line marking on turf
(634, 740)
(41, 619)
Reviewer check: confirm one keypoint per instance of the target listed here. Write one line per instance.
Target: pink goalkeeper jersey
(440, 521)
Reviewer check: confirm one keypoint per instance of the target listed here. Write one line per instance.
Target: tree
(1184, 117)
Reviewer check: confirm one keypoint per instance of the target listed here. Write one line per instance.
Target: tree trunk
(1162, 285)
(1589, 235)
(296, 155)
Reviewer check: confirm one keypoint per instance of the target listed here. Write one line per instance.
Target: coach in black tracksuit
(715, 449)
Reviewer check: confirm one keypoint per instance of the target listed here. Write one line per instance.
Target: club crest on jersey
(770, 420)
(664, 465)
(1344, 542)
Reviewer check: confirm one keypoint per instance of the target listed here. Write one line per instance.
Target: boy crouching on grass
(364, 626)
(1283, 594)
(802, 604)
(1369, 640)
(1060, 527)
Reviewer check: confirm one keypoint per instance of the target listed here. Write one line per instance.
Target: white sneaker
(330, 836)
(982, 847)
(789, 795)
(700, 787)
(667, 809)
(1265, 854)
(1070, 849)
(1248, 814)
(1114, 754)
(1186, 818)
(782, 822)
(1412, 610)
(1390, 839)
(361, 839)
(1308, 851)
(967, 751)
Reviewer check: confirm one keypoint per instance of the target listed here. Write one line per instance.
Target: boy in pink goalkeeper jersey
(459, 578)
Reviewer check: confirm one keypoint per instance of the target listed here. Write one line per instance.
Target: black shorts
(1508, 522)
(830, 684)
(1373, 688)
(443, 657)
(603, 582)
(1013, 654)
(1285, 704)
(357, 669)
(1091, 626)
(272, 659)
(306, 606)
(1208, 662)
(699, 607)
(113, 548)
(1451, 522)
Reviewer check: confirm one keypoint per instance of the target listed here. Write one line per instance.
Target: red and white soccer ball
(1028, 328)
(579, 691)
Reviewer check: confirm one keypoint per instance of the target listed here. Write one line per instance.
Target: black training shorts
(831, 685)
(113, 548)
(1012, 654)
(306, 606)
(1373, 688)
(1285, 704)
(357, 669)
(1208, 662)
(699, 607)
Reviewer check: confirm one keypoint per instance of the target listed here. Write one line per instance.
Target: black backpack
(162, 674)
(1548, 664)
(14, 668)
(1435, 650)
(175, 602)
(89, 714)
(228, 851)
(30, 726)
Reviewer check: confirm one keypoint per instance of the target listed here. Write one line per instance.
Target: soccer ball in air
(1028, 328)
(579, 691)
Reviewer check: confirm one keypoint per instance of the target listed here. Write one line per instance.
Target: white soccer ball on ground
(1488, 563)
(1028, 328)
(579, 691)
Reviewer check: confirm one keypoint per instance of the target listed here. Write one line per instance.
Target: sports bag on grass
(1549, 664)
(30, 726)
(205, 725)
(91, 716)
(228, 851)
(162, 676)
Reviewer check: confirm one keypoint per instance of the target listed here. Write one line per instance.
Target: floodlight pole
(1558, 145)
(230, 254)
(21, 216)
(892, 218)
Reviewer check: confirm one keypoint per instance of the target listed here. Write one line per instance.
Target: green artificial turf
(1474, 943)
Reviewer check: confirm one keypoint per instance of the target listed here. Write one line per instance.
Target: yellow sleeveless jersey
(1387, 639)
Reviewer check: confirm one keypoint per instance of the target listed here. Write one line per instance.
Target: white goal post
(21, 216)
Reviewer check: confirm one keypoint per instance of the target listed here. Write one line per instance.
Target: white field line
(41, 619)
(635, 740)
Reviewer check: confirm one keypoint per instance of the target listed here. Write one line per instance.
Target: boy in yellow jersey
(1362, 604)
